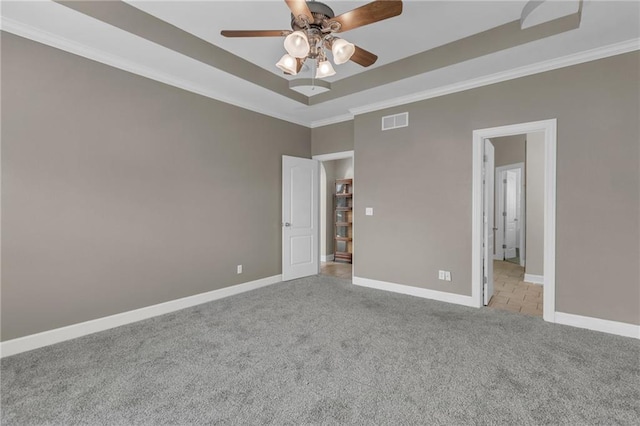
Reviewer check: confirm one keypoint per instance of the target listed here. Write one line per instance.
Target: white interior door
(300, 217)
(498, 242)
(510, 212)
(488, 173)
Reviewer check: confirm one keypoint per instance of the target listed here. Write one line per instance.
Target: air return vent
(395, 121)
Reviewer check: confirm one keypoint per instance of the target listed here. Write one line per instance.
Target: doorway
(335, 169)
(510, 212)
(491, 287)
(504, 196)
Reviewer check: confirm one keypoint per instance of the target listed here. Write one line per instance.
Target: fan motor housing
(320, 12)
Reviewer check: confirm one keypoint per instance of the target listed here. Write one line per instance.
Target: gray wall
(418, 179)
(509, 149)
(344, 168)
(534, 170)
(120, 192)
(332, 138)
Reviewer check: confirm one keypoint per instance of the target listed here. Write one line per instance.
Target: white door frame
(521, 217)
(550, 135)
(341, 156)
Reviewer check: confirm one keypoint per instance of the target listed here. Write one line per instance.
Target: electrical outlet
(368, 211)
(239, 269)
(444, 275)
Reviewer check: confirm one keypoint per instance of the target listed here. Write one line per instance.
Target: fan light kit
(314, 26)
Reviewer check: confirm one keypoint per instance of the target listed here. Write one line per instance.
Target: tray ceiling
(422, 52)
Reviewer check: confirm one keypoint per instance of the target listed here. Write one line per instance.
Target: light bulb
(325, 69)
(288, 64)
(342, 51)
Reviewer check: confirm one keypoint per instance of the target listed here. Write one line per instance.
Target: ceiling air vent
(395, 121)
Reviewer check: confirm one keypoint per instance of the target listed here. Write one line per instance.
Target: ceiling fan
(313, 29)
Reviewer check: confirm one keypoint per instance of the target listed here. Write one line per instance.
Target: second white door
(488, 172)
(300, 217)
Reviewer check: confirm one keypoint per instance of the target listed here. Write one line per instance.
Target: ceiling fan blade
(368, 14)
(299, 7)
(256, 33)
(363, 57)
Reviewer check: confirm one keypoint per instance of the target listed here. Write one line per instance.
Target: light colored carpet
(319, 350)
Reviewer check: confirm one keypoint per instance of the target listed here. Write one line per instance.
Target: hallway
(511, 293)
(336, 269)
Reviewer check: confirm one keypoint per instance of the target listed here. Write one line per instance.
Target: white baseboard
(597, 324)
(534, 279)
(38, 340)
(327, 258)
(442, 296)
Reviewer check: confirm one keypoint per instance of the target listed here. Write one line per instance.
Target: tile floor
(511, 293)
(336, 269)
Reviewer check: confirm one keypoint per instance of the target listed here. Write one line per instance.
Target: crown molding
(44, 37)
(562, 62)
(58, 42)
(331, 120)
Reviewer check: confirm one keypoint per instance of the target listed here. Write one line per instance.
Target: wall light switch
(239, 269)
(441, 275)
(447, 276)
(368, 211)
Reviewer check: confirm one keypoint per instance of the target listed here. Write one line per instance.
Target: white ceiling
(421, 26)
(607, 28)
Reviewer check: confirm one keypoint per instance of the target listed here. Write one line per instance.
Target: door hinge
(504, 246)
(504, 181)
(504, 214)
(485, 158)
(484, 280)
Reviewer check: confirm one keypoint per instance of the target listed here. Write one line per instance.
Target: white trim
(549, 127)
(534, 279)
(441, 296)
(334, 156)
(326, 258)
(552, 64)
(38, 340)
(477, 229)
(549, 268)
(597, 324)
(44, 37)
(32, 33)
(331, 120)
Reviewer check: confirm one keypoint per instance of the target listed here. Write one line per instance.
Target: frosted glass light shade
(325, 69)
(342, 51)
(288, 64)
(297, 44)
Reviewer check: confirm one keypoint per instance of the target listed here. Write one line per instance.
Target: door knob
(287, 224)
